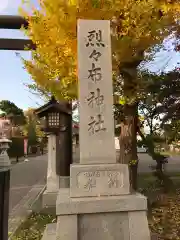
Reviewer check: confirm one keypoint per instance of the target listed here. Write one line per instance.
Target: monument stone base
(49, 196)
(99, 206)
(108, 217)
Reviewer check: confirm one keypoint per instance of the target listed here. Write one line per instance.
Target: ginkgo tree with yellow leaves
(137, 26)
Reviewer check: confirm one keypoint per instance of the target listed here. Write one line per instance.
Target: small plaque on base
(99, 180)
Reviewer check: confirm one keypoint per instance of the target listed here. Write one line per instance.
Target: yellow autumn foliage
(32, 121)
(137, 25)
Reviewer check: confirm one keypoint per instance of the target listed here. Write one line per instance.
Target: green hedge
(16, 148)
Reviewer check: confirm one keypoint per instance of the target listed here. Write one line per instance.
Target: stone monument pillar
(99, 204)
(52, 177)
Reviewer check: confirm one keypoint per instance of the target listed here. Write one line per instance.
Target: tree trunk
(128, 133)
(128, 142)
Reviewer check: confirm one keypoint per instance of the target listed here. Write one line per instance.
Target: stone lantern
(4, 158)
(51, 116)
(56, 120)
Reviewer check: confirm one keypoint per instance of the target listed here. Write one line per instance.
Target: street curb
(22, 210)
(36, 205)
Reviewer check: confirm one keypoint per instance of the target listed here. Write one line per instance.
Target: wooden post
(64, 148)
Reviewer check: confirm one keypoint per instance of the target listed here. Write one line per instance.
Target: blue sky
(13, 76)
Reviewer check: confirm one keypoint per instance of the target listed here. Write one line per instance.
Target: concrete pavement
(27, 180)
(145, 161)
(24, 176)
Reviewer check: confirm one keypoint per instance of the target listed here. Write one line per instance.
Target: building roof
(53, 104)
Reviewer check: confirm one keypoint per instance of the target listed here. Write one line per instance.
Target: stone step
(50, 232)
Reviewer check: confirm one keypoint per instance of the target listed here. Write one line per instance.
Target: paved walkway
(24, 176)
(27, 180)
(23, 209)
